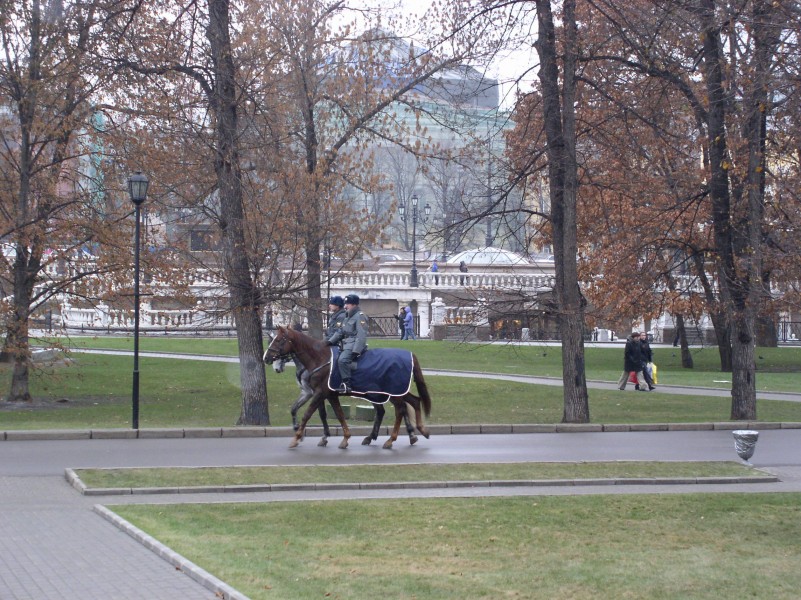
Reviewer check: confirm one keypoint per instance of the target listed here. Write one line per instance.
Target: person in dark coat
(633, 362)
(336, 309)
(647, 357)
(399, 318)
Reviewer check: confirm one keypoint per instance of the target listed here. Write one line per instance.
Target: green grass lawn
(218, 476)
(778, 369)
(95, 390)
(700, 546)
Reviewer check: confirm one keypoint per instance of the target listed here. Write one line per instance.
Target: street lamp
(137, 189)
(402, 210)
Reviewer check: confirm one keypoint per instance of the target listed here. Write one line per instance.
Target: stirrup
(344, 388)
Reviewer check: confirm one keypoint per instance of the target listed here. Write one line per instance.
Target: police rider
(353, 335)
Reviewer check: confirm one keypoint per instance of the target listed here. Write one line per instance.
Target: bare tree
(47, 78)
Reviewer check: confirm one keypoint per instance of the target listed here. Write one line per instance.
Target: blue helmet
(352, 299)
(337, 301)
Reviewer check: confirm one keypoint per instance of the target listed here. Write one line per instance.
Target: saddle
(378, 374)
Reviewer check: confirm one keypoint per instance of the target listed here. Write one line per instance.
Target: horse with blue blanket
(306, 393)
(381, 375)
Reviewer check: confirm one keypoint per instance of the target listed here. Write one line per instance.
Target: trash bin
(745, 443)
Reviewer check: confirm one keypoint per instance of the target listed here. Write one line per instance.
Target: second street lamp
(413, 282)
(137, 189)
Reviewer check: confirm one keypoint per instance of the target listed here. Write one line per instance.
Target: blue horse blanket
(377, 375)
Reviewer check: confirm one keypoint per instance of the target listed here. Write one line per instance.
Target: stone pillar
(424, 315)
(438, 326)
(103, 310)
(437, 312)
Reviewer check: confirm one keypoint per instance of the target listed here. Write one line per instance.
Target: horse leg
(314, 405)
(306, 392)
(409, 428)
(333, 399)
(379, 418)
(326, 432)
(302, 399)
(400, 411)
(414, 402)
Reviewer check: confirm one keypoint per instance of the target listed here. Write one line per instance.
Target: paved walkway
(54, 545)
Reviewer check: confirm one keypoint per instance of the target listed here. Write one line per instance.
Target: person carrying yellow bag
(652, 369)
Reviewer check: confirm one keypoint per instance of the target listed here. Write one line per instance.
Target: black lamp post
(137, 189)
(427, 210)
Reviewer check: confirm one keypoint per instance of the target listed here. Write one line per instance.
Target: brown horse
(315, 356)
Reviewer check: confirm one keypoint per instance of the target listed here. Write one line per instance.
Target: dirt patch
(54, 404)
(47, 404)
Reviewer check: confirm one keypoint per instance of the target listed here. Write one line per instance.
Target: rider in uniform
(336, 308)
(353, 335)
(337, 311)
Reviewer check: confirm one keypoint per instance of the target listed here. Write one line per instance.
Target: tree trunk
(686, 355)
(559, 117)
(723, 337)
(245, 295)
(314, 314)
(743, 378)
(737, 228)
(17, 342)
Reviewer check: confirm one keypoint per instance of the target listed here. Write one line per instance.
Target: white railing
(499, 281)
(160, 320)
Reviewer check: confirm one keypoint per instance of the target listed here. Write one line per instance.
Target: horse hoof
(388, 445)
(412, 440)
(323, 442)
(367, 441)
(343, 444)
(293, 444)
(425, 433)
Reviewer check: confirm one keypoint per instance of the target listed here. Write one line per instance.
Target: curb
(336, 431)
(75, 481)
(203, 577)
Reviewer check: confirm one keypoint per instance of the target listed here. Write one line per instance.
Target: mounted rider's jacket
(353, 332)
(335, 322)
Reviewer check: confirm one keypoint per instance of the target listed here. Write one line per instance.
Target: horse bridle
(283, 356)
(286, 356)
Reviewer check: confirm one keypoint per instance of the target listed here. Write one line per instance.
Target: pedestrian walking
(648, 359)
(632, 363)
(408, 325)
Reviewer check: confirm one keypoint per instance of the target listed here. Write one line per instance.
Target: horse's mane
(301, 339)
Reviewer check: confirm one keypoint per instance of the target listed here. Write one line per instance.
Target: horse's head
(279, 363)
(280, 348)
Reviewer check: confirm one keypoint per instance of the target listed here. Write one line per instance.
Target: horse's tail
(422, 389)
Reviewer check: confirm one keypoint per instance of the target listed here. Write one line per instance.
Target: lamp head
(137, 187)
